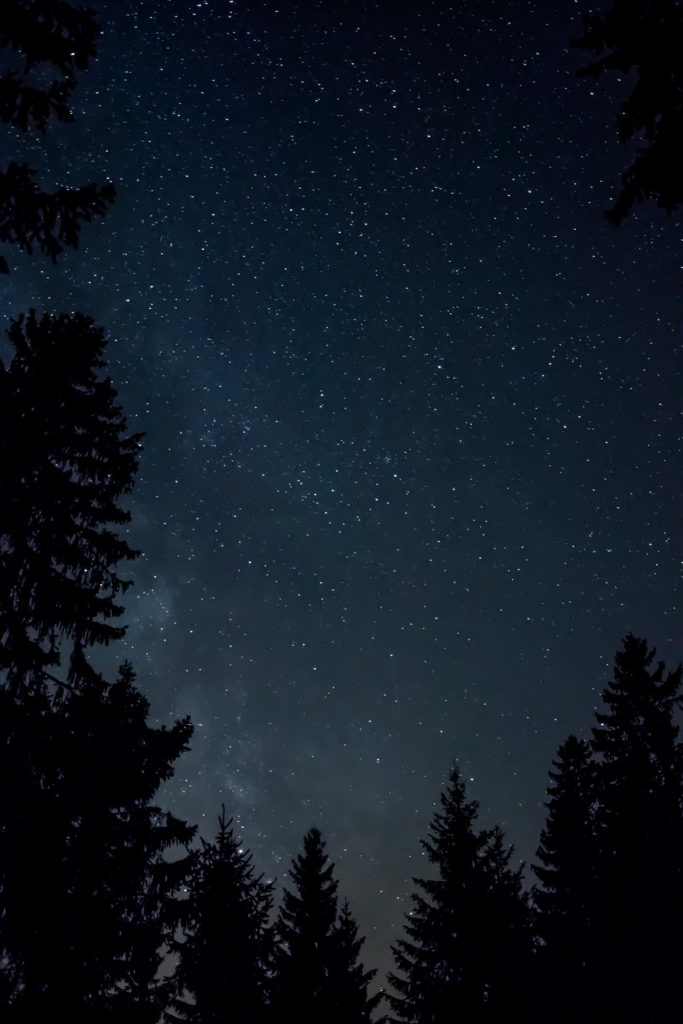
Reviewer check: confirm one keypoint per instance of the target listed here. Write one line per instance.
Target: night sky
(413, 461)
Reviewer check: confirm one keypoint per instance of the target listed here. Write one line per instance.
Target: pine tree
(640, 835)
(467, 952)
(59, 39)
(317, 973)
(225, 946)
(566, 899)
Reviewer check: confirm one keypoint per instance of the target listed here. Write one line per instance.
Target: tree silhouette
(351, 1000)
(86, 893)
(85, 890)
(640, 835)
(644, 38)
(610, 897)
(65, 461)
(467, 954)
(567, 899)
(38, 34)
(225, 947)
(305, 930)
(317, 973)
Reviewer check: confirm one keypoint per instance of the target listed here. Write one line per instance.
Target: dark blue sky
(413, 459)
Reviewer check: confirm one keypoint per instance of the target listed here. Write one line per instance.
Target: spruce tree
(566, 898)
(305, 930)
(351, 1000)
(81, 841)
(610, 898)
(85, 889)
(317, 973)
(225, 944)
(467, 953)
(639, 834)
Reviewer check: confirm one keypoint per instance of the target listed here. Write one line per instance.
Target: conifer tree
(351, 1001)
(467, 953)
(639, 834)
(85, 889)
(305, 930)
(611, 875)
(566, 898)
(81, 841)
(317, 973)
(225, 946)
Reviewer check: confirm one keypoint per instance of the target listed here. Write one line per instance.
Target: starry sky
(413, 453)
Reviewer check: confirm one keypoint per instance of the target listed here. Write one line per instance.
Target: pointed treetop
(451, 832)
(318, 976)
(467, 937)
(641, 701)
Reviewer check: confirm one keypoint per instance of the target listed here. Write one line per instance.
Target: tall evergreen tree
(640, 835)
(317, 973)
(85, 889)
(467, 953)
(81, 841)
(226, 942)
(611, 875)
(305, 931)
(566, 898)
